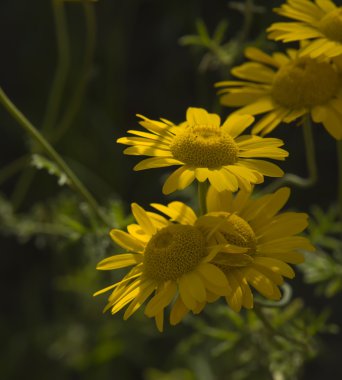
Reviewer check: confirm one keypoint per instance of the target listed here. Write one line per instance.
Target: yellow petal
(261, 105)
(193, 282)
(179, 179)
(119, 261)
(286, 244)
(221, 180)
(258, 55)
(276, 266)
(177, 211)
(247, 296)
(159, 319)
(201, 116)
(147, 151)
(125, 240)
(218, 201)
(186, 296)
(264, 167)
(333, 123)
(156, 162)
(234, 298)
(213, 275)
(261, 283)
(287, 256)
(163, 297)
(254, 71)
(326, 5)
(143, 219)
(138, 233)
(178, 311)
(145, 291)
(235, 124)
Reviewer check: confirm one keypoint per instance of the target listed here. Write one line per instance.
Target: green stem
(339, 154)
(78, 94)
(261, 315)
(202, 196)
(60, 77)
(247, 23)
(293, 179)
(38, 137)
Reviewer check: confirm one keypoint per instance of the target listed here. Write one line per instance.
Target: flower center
(331, 25)
(173, 251)
(204, 146)
(304, 83)
(237, 231)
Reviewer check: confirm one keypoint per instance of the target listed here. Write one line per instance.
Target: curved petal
(235, 124)
(178, 311)
(177, 211)
(162, 298)
(201, 116)
(143, 219)
(179, 180)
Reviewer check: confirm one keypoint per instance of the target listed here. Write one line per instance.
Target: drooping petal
(162, 298)
(178, 312)
(235, 124)
(145, 291)
(201, 116)
(179, 179)
(143, 219)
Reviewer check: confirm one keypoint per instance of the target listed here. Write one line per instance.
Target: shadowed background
(125, 58)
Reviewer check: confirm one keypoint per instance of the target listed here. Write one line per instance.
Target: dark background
(52, 328)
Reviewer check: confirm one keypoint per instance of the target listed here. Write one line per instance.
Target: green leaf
(191, 40)
(203, 31)
(220, 31)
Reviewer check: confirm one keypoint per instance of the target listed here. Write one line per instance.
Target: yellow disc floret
(173, 251)
(236, 231)
(331, 25)
(305, 83)
(204, 146)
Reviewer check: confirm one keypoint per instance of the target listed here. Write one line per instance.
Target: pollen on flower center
(173, 251)
(239, 232)
(304, 83)
(204, 146)
(235, 231)
(331, 25)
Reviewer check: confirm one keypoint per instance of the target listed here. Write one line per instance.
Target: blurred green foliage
(80, 71)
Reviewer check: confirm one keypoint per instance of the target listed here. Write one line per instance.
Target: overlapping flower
(284, 87)
(171, 264)
(270, 239)
(318, 24)
(187, 261)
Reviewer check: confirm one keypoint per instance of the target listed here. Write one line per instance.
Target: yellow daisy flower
(320, 22)
(270, 238)
(206, 150)
(285, 87)
(171, 264)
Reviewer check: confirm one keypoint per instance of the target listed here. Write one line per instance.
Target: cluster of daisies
(237, 244)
